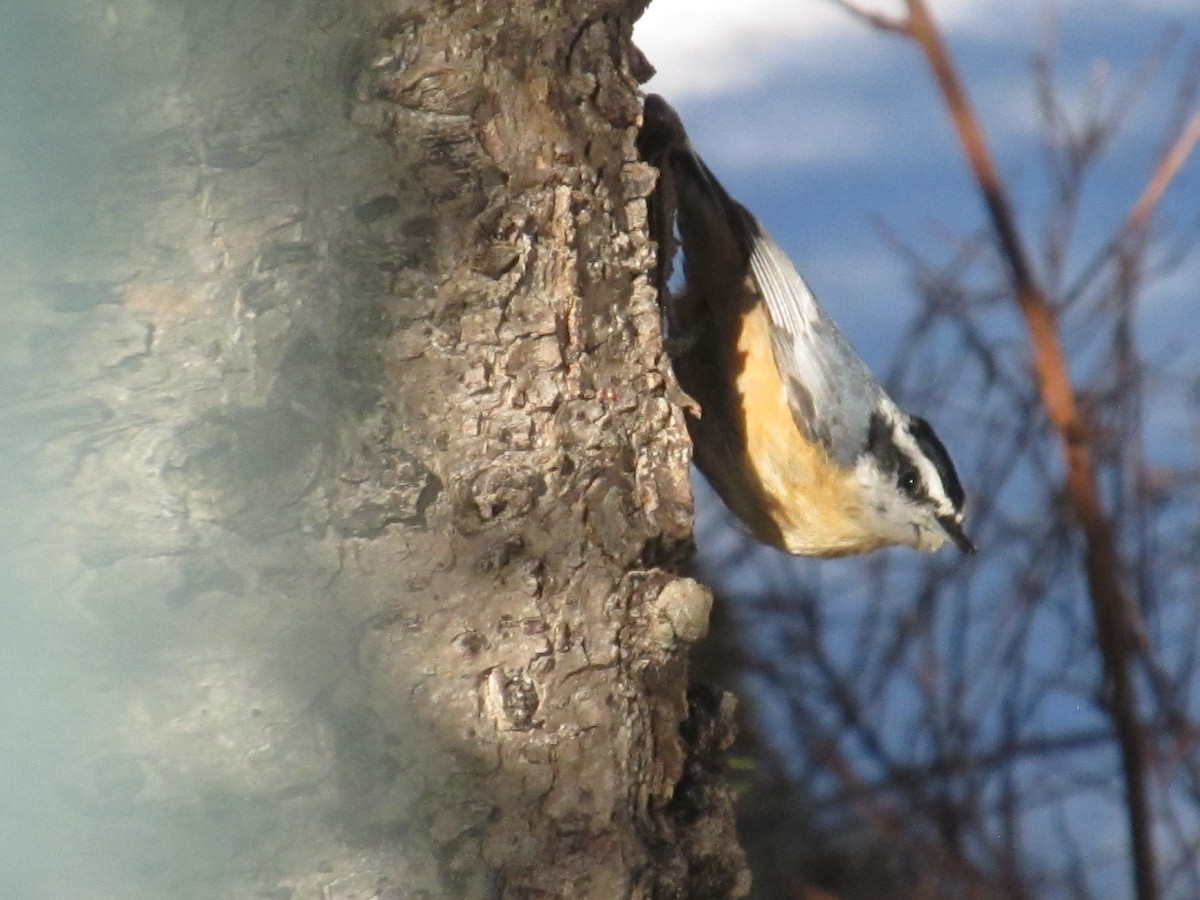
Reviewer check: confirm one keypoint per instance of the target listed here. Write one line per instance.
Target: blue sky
(827, 129)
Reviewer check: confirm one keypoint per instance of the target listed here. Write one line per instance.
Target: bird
(788, 424)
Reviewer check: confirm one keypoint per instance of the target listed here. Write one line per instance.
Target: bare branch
(942, 721)
(1113, 610)
(1137, 218)
(1164, 174)
(875, 19)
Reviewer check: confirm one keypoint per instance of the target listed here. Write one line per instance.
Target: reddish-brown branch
(1139, 214)
(1164, 174)
(1112, 609)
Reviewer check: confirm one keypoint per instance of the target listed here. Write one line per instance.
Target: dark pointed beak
(951, 526)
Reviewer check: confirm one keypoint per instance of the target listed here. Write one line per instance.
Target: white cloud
(714, 46)
(779, 83)
(709, 46)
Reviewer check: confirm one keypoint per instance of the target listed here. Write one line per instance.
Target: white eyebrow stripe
(931, 479)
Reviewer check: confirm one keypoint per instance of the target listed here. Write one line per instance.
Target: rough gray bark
(360, 485)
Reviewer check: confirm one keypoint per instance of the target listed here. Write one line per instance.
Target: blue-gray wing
(830, 390)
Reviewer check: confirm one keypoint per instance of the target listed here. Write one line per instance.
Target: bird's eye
(907, 479)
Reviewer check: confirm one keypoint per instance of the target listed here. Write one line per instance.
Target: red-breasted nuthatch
(793, 430)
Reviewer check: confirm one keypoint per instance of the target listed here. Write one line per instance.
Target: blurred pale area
(172, 725)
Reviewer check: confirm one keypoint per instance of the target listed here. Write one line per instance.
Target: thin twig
(891, 24)
(1139, 214)
(1168, 168)
(1111, 607)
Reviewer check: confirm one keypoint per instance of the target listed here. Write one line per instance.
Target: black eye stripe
(923, 434)
(882, 446)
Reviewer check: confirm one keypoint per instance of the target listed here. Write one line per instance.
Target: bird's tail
(692, 211)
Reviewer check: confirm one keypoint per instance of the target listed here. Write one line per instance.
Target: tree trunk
(353, 488)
